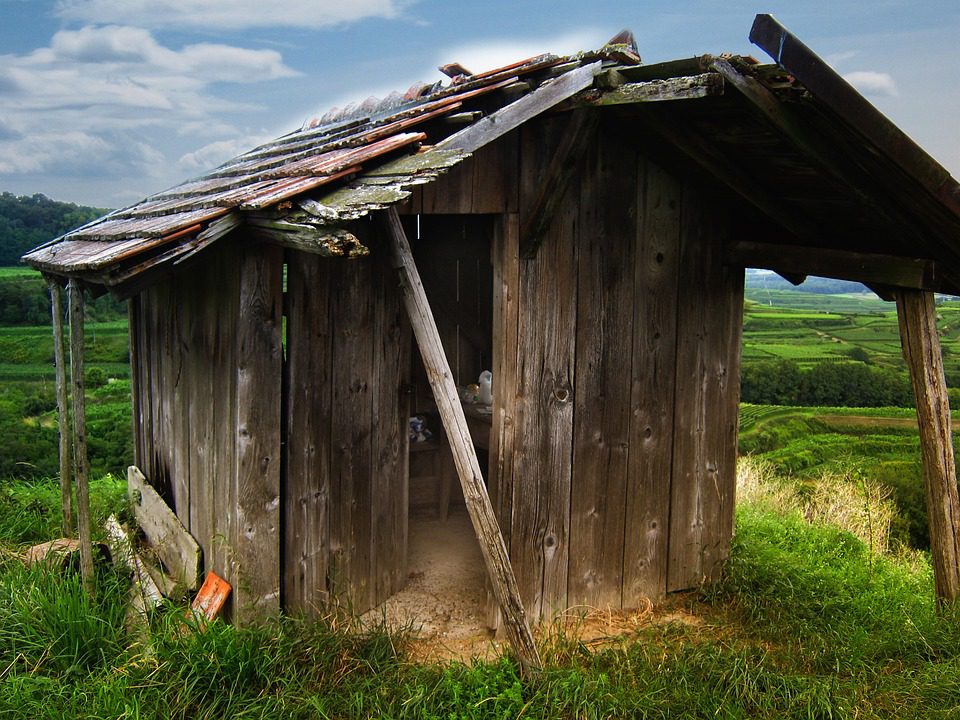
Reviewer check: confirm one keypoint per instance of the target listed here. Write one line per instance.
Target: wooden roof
(831, 186)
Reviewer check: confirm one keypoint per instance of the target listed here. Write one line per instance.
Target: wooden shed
(581, 226)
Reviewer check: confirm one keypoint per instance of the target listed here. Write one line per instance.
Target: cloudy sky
(105, 101)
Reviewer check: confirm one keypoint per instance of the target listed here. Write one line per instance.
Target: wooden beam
(478, 504)
(518, 112)
(576, 139)
(682, 88)
(826, 84)
(705, 155)
(913, 273)
(916, 313)
(75, 294)
(834, 157)
(63, 411)
(307, 237)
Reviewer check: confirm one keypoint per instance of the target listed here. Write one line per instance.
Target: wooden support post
(485, 525)
(921, 350)
(63, 416)
(75, 294)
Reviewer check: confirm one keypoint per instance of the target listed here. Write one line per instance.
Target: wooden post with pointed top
(916, 312)
(484, 521)
(63, 410)
(75, 296)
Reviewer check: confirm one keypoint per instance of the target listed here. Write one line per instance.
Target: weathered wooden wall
(207, 366)
(213, 427)
(345, 497)
(617, 359)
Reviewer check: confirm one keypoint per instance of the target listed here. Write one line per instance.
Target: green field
(18, 272)
(879, 444)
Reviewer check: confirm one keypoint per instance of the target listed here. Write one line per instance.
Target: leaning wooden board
(174, 546)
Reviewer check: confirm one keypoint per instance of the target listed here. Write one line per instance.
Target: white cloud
(490, 54)
(77, 153)
(88, 100)
(228, 14)
(216, 153)
(872, 83)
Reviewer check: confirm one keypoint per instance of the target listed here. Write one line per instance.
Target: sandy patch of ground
(444, 602)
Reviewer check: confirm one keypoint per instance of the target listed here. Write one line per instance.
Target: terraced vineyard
(808, 337)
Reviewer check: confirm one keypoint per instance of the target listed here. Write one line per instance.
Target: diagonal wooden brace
(465, 457)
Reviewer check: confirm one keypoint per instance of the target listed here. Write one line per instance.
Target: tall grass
(808, 622)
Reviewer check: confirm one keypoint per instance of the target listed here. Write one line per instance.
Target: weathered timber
(905, 272)
(256, 549)
(389, 499)
(833, 157)
(654, 384)
(682, 88)
(602, 392)
(63, 410)
(478, 503)
(506, 119)
(81, 466)
(326, 241)
(484, 183)
(916, 312)
(705, 423)
(144, 593)
(307, 501)
(824, 82)
(703, 154)
(174, 546)
(352, 445)
(505, 256)
(540, 533)
(580, 131)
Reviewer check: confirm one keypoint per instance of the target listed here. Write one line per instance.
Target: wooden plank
(545, 386)
(916, 312)
(516, 113)
(81, 466)
(486, 182)
(703, 467)
(256, 543)
(602, 393)
(174, 546)
(63, 410)
(388, 496)
(306, 508)
(722, 412)
(351, 462)
(206, 333)
(656, 267)
(478, 503)
(218, 548)
(505, 255)
(905, 272)
(580, 131)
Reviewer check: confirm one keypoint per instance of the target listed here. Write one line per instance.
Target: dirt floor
(444, 603)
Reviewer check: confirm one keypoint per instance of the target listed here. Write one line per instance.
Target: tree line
(28, 221)
(850, 384)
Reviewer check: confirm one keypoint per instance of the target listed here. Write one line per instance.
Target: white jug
(486, 387)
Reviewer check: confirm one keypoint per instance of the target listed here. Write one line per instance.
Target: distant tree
(859, 354)
(28, 221)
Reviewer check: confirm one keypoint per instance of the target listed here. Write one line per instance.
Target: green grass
(18, 272)
(805, 623)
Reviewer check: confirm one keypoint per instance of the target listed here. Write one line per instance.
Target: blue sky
(105, 101)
